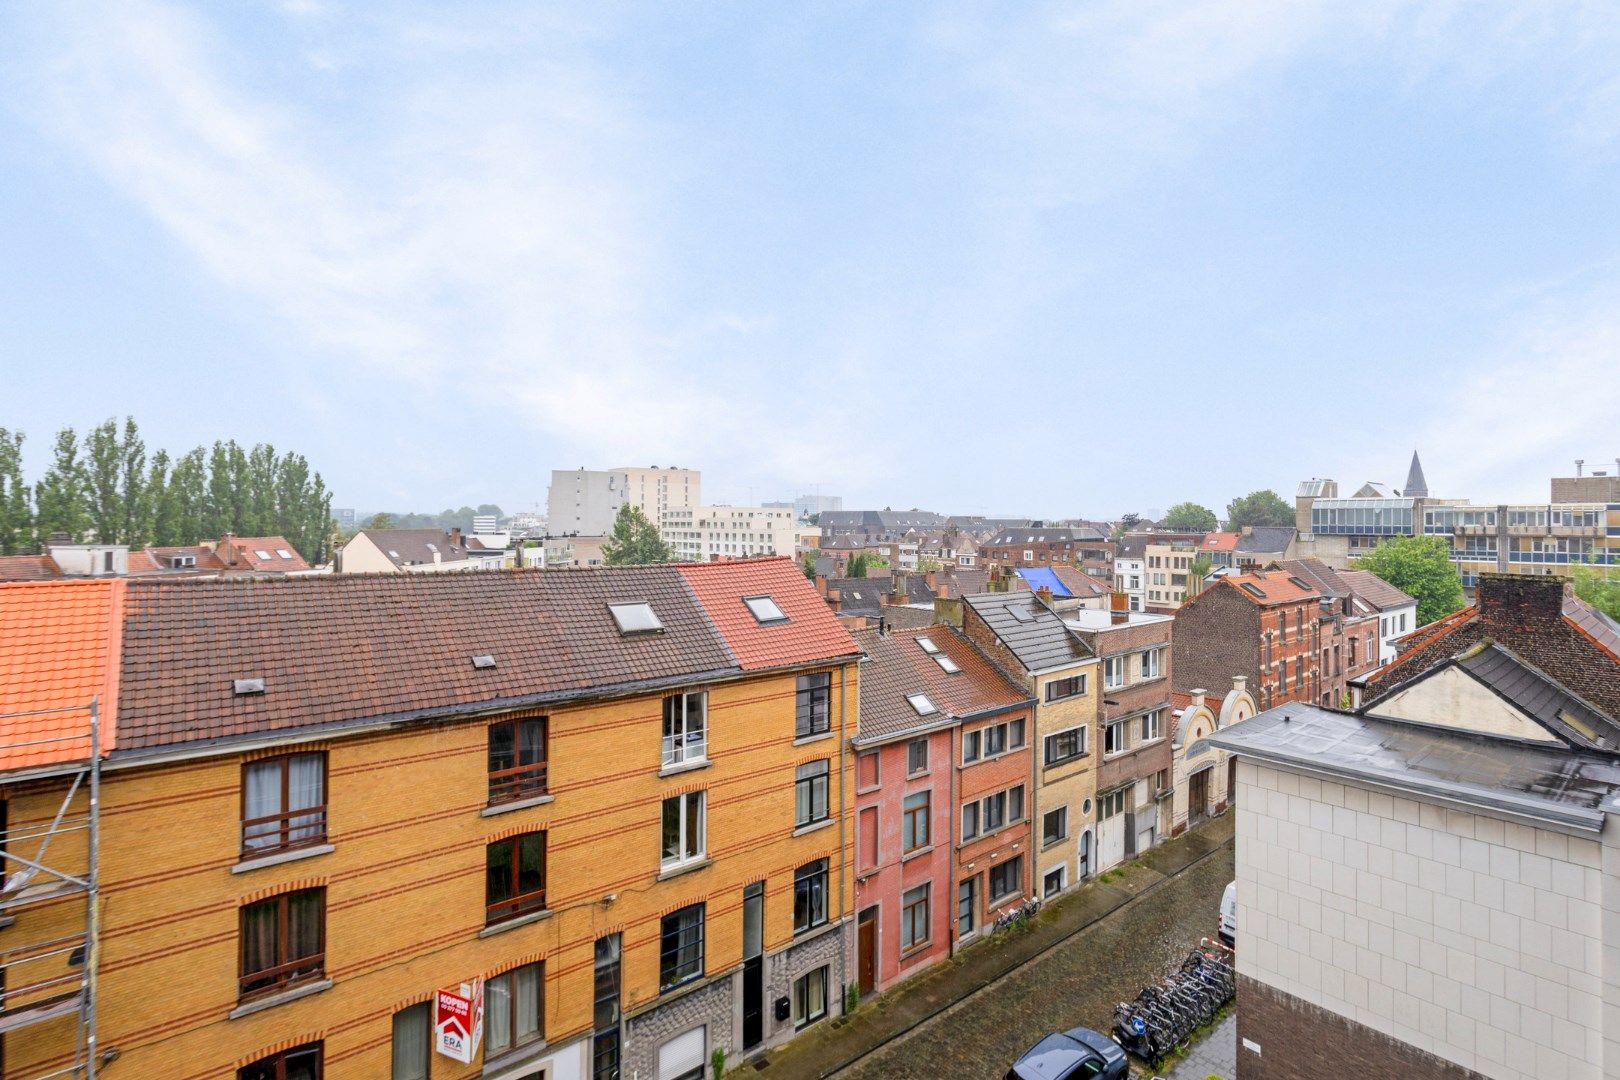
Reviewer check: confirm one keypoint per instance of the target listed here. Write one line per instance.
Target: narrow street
(1077, 983)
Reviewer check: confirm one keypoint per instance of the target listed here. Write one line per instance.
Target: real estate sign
(458, 1021)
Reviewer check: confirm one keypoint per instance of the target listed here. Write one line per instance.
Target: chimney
(1515, 606)
(1198, 697)
(1248, 530)
(1119, 608)
(835, 599)
(821, 586)
(942, 591)
(1240, 683)
(932, 578)
(455, 536)
(1044, 595)
(883, 626)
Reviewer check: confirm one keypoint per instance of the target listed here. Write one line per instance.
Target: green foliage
(1258, 508)
(16, 500)
(717, 1062)
(105, 487)
(1600, 588)
(858, 565)
(634, 540)
(807, 563)
(1421, 567)
(381, 521)
(1190, 517)
(1196, 573)
(852, 997)
(1126, 524)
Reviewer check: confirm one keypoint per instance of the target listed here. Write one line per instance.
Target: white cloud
(488, 235)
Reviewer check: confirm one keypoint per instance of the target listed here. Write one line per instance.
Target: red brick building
(1080, 546)
(1265, 625)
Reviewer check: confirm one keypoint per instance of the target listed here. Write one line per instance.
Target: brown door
(867, 965)
(1198, 797)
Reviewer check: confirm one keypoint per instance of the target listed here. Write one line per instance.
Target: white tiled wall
(1471, 937)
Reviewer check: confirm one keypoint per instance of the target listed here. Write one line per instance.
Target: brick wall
(1216, 637)
(1299, 1041)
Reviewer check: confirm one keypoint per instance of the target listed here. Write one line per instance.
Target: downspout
(843, 821)
(953, 897)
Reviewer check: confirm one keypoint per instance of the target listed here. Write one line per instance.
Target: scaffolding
(51, 976)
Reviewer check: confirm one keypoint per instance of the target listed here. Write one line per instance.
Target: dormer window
(765, 609)
(636, 618)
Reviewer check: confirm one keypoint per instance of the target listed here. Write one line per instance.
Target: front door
(1198, 797)
(753, 1003)
(1111, 829)
(867, 967)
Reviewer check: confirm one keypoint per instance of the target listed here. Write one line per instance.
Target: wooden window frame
(285, 816)
(510, 974)
(284, 974)
(809, 693)
(521, 780)
(279, 1060)
(518, 904)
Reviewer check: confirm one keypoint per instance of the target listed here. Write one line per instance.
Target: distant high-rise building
(806, 506)
(344, 517)
(585, 501)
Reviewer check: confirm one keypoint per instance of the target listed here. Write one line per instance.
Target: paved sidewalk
(1216, 1055)
(831, 1047)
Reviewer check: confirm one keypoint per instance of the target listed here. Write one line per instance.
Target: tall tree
(162, 522)
(189, 491)
(1258, 508)
(1190, 517)
(634, 540)
(59, 500)
(103, 470)
(137, 501)
(16, 509)
(1421, 567)
(259, 499)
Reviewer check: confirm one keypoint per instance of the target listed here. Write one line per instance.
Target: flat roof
(1565, 787)
(1093, 619)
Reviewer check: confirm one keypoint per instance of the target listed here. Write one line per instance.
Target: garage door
(682, 1057)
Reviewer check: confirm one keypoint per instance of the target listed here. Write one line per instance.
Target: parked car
(1229, 916)
(1076, 1054)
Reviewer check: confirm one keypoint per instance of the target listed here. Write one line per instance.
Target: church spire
(1416, 486)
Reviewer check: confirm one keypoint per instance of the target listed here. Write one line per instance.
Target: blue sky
(1051, 259)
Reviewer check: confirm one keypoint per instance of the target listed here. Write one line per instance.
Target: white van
(1229, 916)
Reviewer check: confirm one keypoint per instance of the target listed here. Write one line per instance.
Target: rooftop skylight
(1251, 587)
(928, 645)
(636, 618)
(284, 553)
(1021, 613)
(248, 686)
(764, 609)
(946, 664)
(261, 553)
(483, 661)
(921, 703)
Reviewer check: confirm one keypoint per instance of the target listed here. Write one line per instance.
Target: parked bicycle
(1164, 1016)
(1017, 916)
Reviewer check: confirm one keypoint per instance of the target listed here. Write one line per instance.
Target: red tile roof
(1220, 541)
(247, 550)
(59, 649)
(899, 667)
(811, 631)
(206, 559)
(1278, 587)
(28, 568)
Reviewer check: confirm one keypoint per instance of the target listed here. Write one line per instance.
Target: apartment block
(580, 793)
(706, 533)
(1264, 625)
(584, 502)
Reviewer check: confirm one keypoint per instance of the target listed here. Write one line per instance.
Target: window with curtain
(283, 803)
(512, 1008)
(517, 759)
(283, 942)
(914, 917)
(916, 756)
(514, 877)
(810, 896)
(810, 793)
(810, 998)
(299, 1063)
(413, 1036)
(914, 825)
(680, 953)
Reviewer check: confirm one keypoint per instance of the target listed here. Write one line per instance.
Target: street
(1077, 983)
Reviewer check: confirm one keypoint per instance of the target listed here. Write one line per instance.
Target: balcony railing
(519, 782)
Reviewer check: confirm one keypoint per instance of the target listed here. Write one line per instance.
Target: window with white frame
(1113, 672)
(1152, 725)
(686, 728)
(1065, 745)
(1153, 663)
(1114, 737)
(683, 832)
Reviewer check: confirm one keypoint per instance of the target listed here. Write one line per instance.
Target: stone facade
(715, 1007)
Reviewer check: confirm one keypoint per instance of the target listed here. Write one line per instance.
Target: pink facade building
(920, 690)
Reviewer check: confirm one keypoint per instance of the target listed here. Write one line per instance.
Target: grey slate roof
(405, 547)
(1040, 644)
(1416, 486)
(1267, 539)
(1047, 535)
(1536, 695)
(1375, 590)
(1567, 787)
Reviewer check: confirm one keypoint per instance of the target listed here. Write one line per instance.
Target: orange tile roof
(1278, 586)
(59, 648)
(811, 632)
(248, 548)
(28, 568)
(1220, 541)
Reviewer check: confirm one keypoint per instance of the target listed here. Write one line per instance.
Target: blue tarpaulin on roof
(1037, 576)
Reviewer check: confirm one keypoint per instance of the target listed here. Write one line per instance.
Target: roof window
(764, 609)
(284, 553)
(261, 553)
(433, 548)
(484, 661)
(928, 645)
(1301, 582)
(921, 703)
(946, 664)
(636, 618)
(1252, 588)
(1021, 613)
(242, 687)
(392, 554)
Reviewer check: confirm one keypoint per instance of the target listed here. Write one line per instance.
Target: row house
(942, 805)
(1134, 718)
(1262, 624)
(1203, 776)
(1426, 886)
(1038, 545)
(611, 803)
(231, 555)
(1025, 637)
(1353, 626)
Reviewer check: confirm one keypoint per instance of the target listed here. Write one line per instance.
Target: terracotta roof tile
(279, 556)
(1276, 585)
(899, 667)
(810, 632)
(28, 568)
(59, 649)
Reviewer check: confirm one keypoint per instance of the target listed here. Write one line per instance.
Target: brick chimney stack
(1512, 605)
(1044, 595)
(455, 536)
(835, 599)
